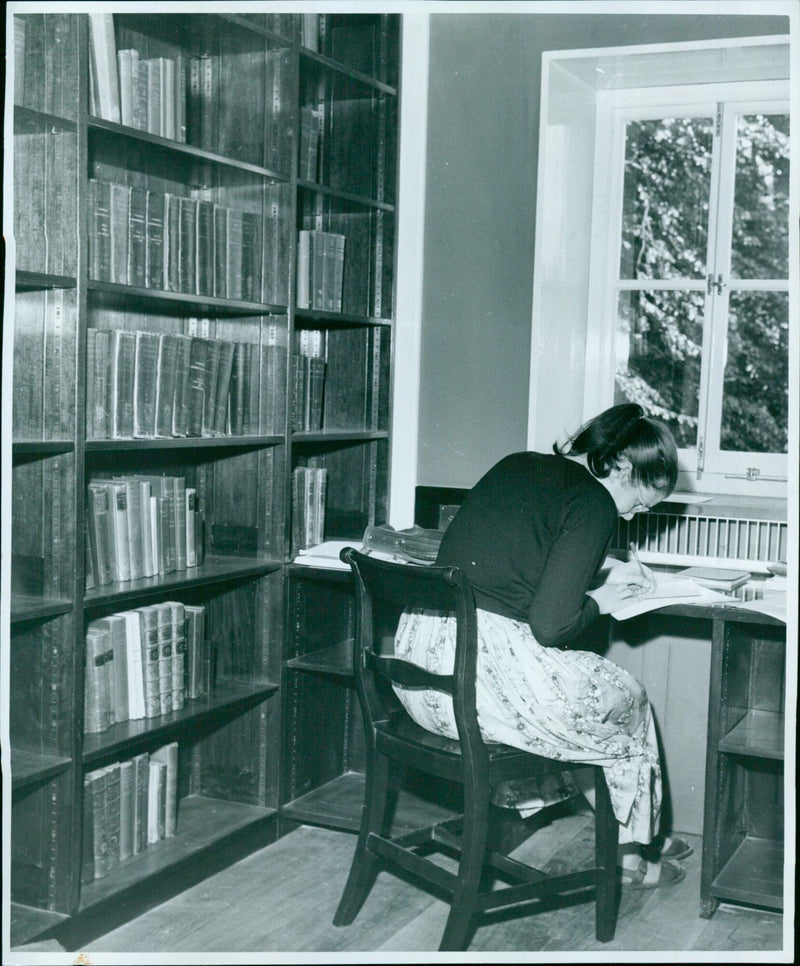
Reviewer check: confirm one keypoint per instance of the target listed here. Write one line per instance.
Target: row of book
(46, 63)
(46, 201)
(309, 485)
(148, 385)
(127, 807)
(141, 526)
(173, 243)
(144, 662)
(308, 374)
(320, 270)
(232, 103)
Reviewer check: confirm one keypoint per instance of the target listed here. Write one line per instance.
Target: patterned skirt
(566, 705)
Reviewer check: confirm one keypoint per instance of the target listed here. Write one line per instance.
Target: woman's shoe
(676, 850)
(669, 874)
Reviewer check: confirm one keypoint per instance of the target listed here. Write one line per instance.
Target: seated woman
(533, 537)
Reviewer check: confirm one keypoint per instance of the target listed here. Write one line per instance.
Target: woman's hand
(609, 597)
(638, 577)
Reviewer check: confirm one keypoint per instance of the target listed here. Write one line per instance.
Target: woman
(533, 536)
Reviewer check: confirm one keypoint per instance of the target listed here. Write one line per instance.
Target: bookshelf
(165, 398)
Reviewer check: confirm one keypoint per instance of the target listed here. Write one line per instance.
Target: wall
(482, 146)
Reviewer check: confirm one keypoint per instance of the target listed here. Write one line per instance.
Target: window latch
(715, 284)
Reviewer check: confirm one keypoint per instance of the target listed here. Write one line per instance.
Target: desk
(742, 858)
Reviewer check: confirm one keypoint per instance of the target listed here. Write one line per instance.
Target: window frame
(716, 470)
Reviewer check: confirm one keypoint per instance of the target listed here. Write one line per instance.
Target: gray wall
(483, 120)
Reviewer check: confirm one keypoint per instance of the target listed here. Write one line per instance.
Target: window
(691, 286)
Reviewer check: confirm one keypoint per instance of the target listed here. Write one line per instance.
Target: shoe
(669, 875)
(678, 849)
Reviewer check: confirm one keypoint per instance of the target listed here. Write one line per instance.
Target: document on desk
(669, 590)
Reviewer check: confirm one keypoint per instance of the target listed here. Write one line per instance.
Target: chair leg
(365, 865)
(464, 902)
(606, 838)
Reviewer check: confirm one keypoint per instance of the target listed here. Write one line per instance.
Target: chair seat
(401, 738)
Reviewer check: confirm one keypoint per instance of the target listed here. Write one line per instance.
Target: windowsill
(727, 505)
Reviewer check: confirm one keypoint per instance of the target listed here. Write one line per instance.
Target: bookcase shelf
(187, 442)
(29, 768)
(167, 161)
(181, 148)
(26, 607)
(203, 824)
(214, 570)
(759, 733)
(226, 700)
(181, 302)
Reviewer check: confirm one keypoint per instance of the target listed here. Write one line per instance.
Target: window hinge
(715, 284)
(700, 457)
(718, 121)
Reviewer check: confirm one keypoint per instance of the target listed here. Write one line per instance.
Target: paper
(326, 554)
(774, 605)
(669, 590)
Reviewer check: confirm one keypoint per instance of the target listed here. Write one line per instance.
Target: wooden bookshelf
(170, 208)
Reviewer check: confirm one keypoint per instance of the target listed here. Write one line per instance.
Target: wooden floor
(282, 900)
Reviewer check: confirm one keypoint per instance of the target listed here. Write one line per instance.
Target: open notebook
(669, 590)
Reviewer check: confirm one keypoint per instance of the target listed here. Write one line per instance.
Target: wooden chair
(395, 742)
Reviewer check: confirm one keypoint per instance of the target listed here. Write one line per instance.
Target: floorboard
(282, 898)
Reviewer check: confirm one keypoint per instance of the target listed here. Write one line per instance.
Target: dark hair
(625, 431)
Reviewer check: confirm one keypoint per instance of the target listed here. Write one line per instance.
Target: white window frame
(711, 469)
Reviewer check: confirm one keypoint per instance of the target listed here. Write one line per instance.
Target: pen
(635, 553)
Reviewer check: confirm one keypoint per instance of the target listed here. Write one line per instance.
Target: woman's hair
(624, 431)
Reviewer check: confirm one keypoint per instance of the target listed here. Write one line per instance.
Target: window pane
(755, 399)
(666, 194)
(659, 336)
(760, 246)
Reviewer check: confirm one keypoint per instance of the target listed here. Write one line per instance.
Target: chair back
(383, 591)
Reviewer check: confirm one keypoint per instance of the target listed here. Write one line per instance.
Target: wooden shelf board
(340, 435)
(28, 607)
(30, 768)
(182, 147)
(26, 119)
(337, 804)
(348, 196)
(27, 923)
(185, 301)
(202, 824)
(212, 570)
(753, 875)
(759, 733)
(182, 442)
(344, 69)
(227, 699)
(336, 659)
(342, 318)
(36, 281)
(43, 447)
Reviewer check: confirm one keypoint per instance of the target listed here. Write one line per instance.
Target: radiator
(674, 538)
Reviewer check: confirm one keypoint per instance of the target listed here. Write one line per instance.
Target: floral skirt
(566, 705)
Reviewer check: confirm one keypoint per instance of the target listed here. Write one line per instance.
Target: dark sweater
(531, 536)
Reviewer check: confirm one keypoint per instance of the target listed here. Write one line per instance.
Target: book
(148, 622)
(210, 389)
(99, 211)
(168, 756)
(195, 403)
(179, 510)
(103, 63)
(198, 657)
(118, 529)
(120, 209)
(137, 237)
(220, 251)
(121, 367)
(226, 350)
(127, 805)
(718, 578)
(145, 384)
(669, 590)
(205, 253)
(237, 389)
(180, 404)
(178, 616)
(172, 242)
(156, 797)
(153, 68)
(97, 707)
(251, 257)
(99, 533)
(191, 525)
(95, 851)
(149, 561)
(135, 666)
(166, 378)
(141, 782)
(154, 241)
(112, 815)
(164, 619)
(187, 246)
(116, 629)
(233, 259)
(128, 80)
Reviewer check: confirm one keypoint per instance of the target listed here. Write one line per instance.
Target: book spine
(120, 196)
(178, 655)
(126, 809)
(205, 260)
(165, 383)
(211, 380)
(180, 406)
(198, 360)
(227, 350)
(145, 384)
(179, 504)
(134, 511)
(149, 627)
(191, 512)
(141, 768)
(187, 246)
(220, 252)
(99, 230)
(154, 243)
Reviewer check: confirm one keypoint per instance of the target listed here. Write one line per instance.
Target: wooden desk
(743, 819)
